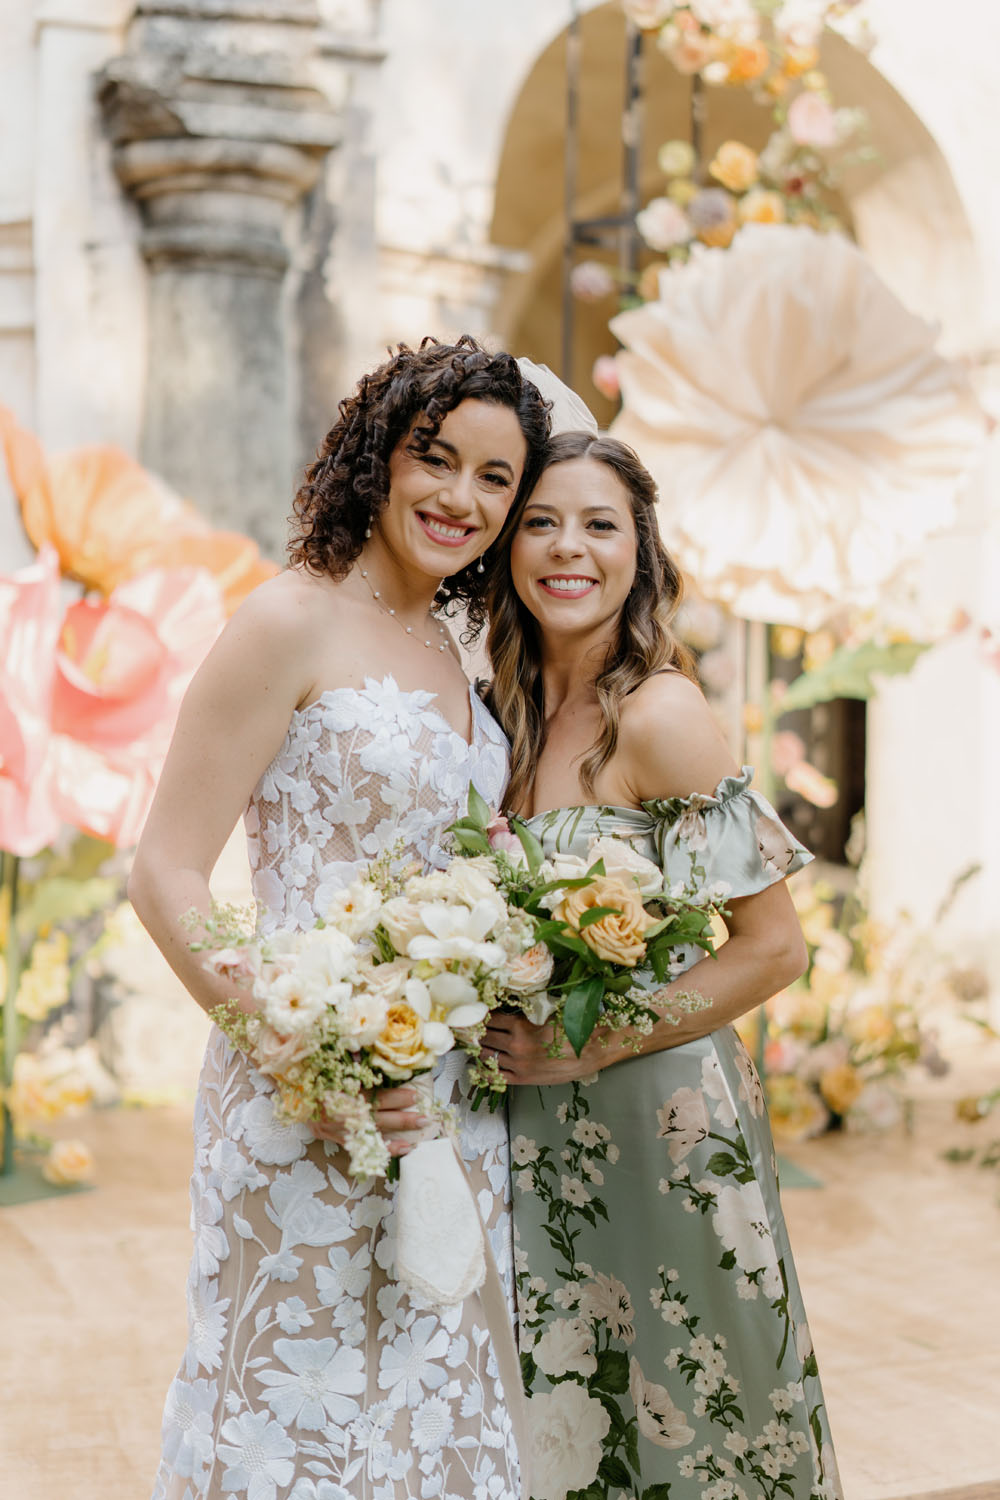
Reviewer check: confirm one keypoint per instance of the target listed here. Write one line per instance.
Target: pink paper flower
(605, 376)
(812, 120)
(90, 695)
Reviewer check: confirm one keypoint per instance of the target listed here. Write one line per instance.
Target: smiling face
(573, 556)
(446, 505)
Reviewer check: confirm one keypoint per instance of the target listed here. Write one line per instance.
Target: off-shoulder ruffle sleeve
(733, 837)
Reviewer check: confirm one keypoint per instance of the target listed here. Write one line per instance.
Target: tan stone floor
(898, 1253)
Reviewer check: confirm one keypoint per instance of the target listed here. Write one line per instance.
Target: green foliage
(581, 1011)
(850, 673)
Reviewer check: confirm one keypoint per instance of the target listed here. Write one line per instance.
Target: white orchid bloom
(418, 998)
(458, 999)
(457, 934)
(438, 1038)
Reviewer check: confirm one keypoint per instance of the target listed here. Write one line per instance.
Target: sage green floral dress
(664, 1343)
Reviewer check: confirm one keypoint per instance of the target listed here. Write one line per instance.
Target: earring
(368, 532)
(479, 566)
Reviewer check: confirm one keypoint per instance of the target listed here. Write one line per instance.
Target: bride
(333, 714)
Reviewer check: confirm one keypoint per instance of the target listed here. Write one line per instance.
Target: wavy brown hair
(644, 643)
(347, 487)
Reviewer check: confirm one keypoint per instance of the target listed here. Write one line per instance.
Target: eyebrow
(491, 463)
(588, 510)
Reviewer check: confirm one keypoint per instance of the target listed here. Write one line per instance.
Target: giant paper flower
(109, 519)
(89, 696)
(805, 435)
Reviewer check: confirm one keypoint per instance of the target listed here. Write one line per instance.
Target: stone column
(219, 131)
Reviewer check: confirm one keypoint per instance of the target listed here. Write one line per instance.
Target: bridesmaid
(663, 1338)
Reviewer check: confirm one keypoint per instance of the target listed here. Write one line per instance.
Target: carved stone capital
(218, 126)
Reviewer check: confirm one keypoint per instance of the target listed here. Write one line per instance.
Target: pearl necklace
(377, 596)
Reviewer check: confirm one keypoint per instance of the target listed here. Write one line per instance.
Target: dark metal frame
(617, 231)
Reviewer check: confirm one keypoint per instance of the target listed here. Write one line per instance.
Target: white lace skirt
(309, 1374)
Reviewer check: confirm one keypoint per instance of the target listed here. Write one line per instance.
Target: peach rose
(274, 1054)
(617, 937)
(530, 971)
(748, 63)
(400, 1050)
(762, 206)
(735, 166)
(69, 1162)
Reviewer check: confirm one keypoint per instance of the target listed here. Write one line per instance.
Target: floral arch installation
(579, 158)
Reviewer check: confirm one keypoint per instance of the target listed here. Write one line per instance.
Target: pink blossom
(812, 120)
(663, 224)
(591, 281)
(90, 697)
(605, 376)
(502, 836)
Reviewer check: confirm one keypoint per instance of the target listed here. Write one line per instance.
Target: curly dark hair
(347, 487)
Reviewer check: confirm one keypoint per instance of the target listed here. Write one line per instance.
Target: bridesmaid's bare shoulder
(670, 742)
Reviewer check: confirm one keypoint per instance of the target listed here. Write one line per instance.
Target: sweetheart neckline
(388, 678)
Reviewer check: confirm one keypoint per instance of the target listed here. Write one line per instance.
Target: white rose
(326, 957)
(387, 980)
(566, 1345)
(469, 883)
(567, 1430)
(402, 921)
(628, 865)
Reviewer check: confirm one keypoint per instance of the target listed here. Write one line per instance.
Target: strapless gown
(308, 1373)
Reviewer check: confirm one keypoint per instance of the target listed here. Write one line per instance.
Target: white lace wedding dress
(309, 1374)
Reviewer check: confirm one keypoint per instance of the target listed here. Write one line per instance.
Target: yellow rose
(530, 971)
(735, 166)
(68, 1162)
(400, 1050)
(764, 207)
(840, 1087)
(617, 937)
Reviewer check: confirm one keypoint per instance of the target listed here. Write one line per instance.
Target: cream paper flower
(805, 435)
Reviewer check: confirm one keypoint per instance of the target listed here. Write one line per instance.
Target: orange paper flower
(108, 518)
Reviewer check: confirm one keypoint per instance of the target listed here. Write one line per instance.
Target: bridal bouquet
(400, 970)
(597, 935)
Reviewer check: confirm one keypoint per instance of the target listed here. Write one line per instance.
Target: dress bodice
(731, 842)
(362, 772)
